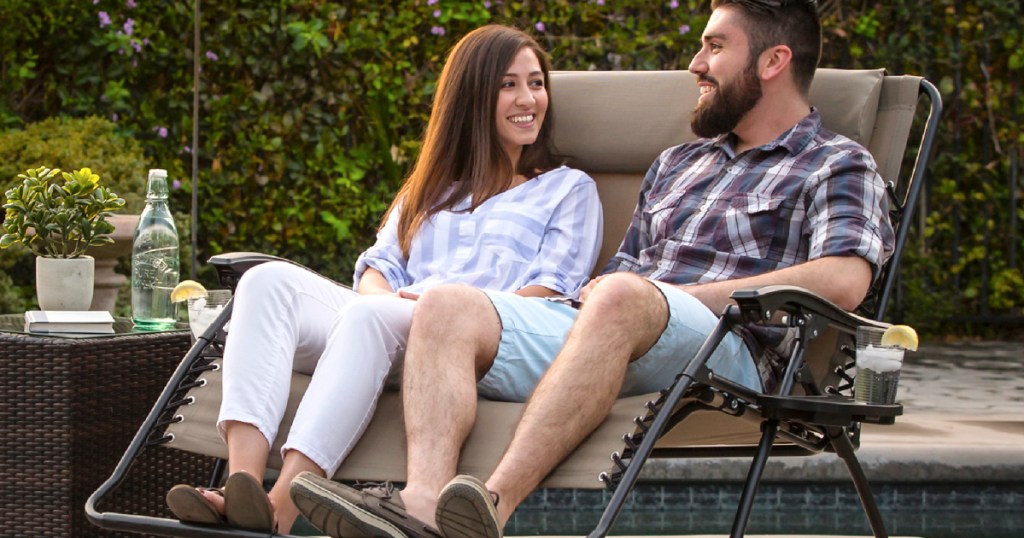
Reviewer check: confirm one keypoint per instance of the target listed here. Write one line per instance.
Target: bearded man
(767, 197)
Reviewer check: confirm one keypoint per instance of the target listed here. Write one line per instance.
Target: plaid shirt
(706, 214)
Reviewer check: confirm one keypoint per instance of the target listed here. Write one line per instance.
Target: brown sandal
(189, 505)
(246, 504)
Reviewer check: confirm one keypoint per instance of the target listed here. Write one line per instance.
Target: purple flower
(431, 2)
(114, 117)
(94, 2)
(104, 19)
(176, 184)
(539, 26)
(600, 2)
(212, 56)
(186, 149)
(129, 26)
(437, 30)
(437, 13)
(673, 4)
(684, 29)
(136, 45)
(161, 132)
(130, 4)
(487, 5)
(145, 41)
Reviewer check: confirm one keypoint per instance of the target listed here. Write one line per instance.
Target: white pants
(288, 318)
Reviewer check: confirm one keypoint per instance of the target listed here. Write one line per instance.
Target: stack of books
(69, 322)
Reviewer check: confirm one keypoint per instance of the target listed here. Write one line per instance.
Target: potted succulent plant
(70, 143)
(58, 220)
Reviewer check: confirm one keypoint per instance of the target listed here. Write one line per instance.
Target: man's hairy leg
(453, 341)
(622, 318)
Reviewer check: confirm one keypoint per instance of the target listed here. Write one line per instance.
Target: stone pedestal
(108, 282)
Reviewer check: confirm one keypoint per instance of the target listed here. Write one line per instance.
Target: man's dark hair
(793, 23)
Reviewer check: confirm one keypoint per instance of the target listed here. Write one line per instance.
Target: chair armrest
(762, 303)
(231, 265)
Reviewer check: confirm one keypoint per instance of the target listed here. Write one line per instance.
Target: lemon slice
(187, 289)
(903, 336)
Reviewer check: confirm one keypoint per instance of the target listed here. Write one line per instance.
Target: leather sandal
(246, 504)
(189, 505)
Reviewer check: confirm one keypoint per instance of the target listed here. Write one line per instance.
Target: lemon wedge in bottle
(187, 289)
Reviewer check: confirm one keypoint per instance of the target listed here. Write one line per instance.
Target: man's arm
(844, 280)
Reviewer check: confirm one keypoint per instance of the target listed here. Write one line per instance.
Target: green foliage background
(311, 111)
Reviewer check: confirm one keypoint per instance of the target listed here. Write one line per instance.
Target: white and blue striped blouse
(546, 232)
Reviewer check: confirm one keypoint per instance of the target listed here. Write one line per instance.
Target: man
(767, 197)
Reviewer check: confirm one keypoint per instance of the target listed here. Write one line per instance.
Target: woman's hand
(585, 291)
(407, 295)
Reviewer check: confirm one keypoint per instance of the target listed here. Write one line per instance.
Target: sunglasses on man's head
(776, 4)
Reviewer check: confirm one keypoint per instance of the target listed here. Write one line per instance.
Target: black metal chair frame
(822, 418)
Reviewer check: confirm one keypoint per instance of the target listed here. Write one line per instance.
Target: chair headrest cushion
(619, 121)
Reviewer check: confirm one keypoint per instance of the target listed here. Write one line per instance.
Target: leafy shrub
(72, 143)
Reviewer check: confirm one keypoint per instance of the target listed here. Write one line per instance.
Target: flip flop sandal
(189, 505)
(246, 504)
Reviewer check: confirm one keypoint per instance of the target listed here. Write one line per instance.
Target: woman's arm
(372, 281)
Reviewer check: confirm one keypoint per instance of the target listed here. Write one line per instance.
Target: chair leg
(631, 470)
(844, 449)
(764, 448)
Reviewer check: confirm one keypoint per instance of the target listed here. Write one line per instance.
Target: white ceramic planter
(65, 283)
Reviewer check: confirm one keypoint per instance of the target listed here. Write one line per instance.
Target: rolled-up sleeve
(849, 212)
(385, 256)
(571, 241)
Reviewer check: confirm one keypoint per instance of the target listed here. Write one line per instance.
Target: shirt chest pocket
(758, 225)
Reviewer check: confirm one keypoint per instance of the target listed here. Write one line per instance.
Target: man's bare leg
(443, 362)
(622, 318)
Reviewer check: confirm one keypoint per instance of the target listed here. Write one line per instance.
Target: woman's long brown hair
(461, 147)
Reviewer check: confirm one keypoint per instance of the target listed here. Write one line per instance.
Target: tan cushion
(619, 121)
(848, 100)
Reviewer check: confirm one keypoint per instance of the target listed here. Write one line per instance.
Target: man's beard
(728, 105)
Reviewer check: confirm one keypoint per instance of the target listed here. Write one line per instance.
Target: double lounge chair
(613, 125)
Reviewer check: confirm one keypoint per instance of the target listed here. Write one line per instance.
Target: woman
(486, 204)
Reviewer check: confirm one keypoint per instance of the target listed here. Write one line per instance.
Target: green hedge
(310, 111)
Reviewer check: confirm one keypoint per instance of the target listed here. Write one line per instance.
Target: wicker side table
(69, 408)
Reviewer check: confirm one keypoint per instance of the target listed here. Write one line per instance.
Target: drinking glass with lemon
(203, 305)
(879, 358)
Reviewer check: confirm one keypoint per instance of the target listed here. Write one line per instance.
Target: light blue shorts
(533, 331)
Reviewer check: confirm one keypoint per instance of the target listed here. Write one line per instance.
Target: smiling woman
(522, 104)
(486, 205)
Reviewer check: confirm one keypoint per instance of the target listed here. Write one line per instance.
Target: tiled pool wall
(933, 510)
